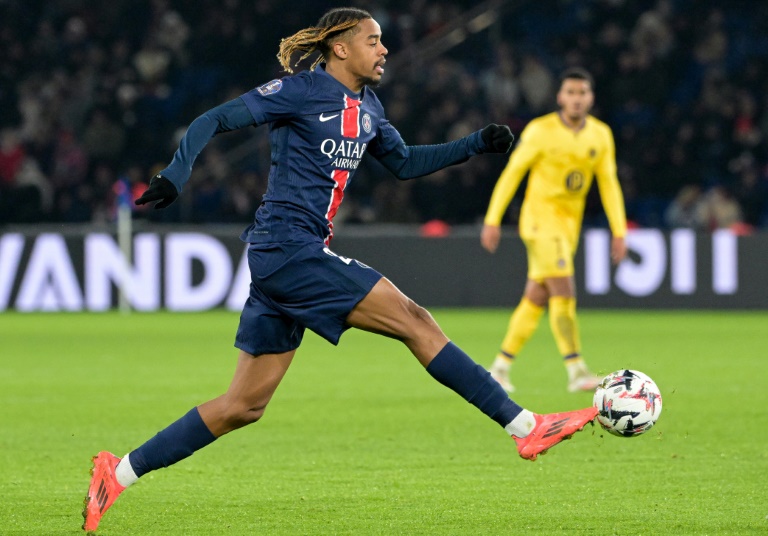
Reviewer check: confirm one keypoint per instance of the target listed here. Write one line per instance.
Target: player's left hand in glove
(497, 138)
(160, 189)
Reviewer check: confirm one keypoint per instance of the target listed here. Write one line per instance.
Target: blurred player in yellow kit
(562, 151)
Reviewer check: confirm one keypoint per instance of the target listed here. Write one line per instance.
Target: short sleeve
(281, 98)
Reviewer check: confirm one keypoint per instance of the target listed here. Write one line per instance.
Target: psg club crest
(270, 87)
(367, 123)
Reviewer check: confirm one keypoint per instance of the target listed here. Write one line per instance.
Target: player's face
(575, 98)
(367, 54)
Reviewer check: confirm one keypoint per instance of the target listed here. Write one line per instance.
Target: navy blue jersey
(319, 132)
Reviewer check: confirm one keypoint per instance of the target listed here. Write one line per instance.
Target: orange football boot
(103, 491)
(551, 429)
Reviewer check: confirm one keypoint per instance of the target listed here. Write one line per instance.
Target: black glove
(497, 138)
(160, 189)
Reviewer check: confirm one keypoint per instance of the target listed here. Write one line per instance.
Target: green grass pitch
(359, 440)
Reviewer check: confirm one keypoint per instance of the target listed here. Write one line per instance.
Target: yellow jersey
(562, 165)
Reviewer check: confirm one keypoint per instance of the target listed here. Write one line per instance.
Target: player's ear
(340, 49)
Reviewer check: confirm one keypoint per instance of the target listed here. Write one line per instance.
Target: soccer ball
(628, 403)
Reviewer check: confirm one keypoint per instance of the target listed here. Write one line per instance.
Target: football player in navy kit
(321, 122)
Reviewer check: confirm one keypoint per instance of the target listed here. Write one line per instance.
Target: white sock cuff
(521, 425)
(501, 363)
(124, 472)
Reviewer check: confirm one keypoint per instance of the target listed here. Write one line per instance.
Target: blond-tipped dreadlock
(317, 38)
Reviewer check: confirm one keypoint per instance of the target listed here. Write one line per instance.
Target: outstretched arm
(229, 116)
(409, 162)
(224, 118)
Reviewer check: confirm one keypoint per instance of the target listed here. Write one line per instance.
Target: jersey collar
(320, 70)
(578, 130)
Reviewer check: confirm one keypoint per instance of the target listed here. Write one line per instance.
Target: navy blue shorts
(297, 285)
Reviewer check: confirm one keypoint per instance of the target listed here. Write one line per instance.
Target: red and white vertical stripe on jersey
(340, 178)
(350, 128)
(350, 118)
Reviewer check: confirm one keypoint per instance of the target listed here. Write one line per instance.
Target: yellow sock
(575, 366)
(522, 324)
(565, 328)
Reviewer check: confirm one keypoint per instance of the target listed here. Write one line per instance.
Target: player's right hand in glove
(160, 189)
(497, 138)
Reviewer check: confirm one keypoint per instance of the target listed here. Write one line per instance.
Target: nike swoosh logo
(323, 119)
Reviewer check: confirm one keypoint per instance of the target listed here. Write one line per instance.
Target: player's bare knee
(245, 414)
(252, 415)
(421, 320)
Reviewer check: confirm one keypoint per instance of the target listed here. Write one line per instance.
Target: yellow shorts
(549, 256)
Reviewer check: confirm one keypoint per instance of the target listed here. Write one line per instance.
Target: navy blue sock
(454, 369)
(172, 444)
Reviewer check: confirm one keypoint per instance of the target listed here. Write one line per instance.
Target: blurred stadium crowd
(93, 92)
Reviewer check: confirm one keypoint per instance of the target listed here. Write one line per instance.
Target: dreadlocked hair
(317, 38)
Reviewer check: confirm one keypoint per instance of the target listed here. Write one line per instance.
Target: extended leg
(387, 311)
(255, 381)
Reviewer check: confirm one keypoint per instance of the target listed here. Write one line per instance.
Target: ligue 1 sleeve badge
(270, 87)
